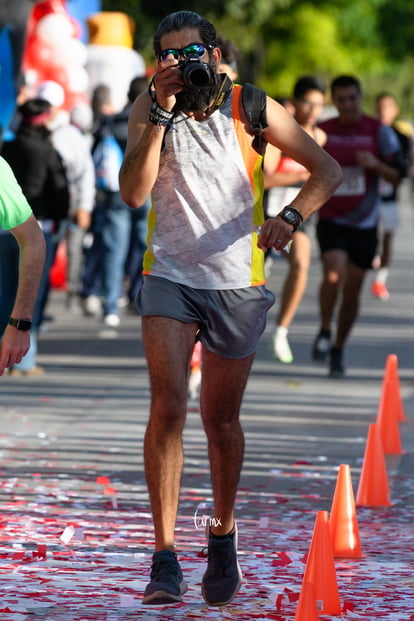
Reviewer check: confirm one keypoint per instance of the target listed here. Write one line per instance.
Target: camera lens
(196, 75)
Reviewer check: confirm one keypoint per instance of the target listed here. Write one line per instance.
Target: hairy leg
(168, 347)
(222, 388)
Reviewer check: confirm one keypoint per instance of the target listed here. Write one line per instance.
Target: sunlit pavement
(75, 522)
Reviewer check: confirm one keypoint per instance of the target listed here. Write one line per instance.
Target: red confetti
(282, 560)
(41, 551)
(109, 491)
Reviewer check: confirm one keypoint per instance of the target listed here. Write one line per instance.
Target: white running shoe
(92, 305)
(281, 347)
(112, 320)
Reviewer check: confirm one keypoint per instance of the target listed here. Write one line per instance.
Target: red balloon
(57, 74)
(37, 55)
(48, 6)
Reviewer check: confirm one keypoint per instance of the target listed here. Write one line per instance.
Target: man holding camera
(190, 146)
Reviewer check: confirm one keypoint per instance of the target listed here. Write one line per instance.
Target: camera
(197, 75)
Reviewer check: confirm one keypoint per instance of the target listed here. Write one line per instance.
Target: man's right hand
(168, 82)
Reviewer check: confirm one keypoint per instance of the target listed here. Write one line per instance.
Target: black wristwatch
(292, 216)
(21, 324)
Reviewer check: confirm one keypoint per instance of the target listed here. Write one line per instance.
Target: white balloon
(78, 52)
(78, 80)
(115, 66)
(70, 53)
(54, 28)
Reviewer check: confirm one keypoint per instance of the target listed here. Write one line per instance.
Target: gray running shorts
(231, 321)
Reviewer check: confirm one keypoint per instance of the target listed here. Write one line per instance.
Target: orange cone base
(320, 567)
(306, 610)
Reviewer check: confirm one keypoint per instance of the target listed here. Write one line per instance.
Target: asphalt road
(85, 419)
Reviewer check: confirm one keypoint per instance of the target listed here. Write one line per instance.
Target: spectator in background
(76, 156)
(101, 104)
(387, 111)
(139, 217)
(40, 173)
(91, 287)
(230, 57)
(81, 117)
(367, 150)
(119, 234)
(22, 255)
(283, 178)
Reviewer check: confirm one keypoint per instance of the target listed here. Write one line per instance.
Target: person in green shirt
(22, 256)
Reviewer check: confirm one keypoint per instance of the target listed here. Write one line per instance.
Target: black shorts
(359, 244)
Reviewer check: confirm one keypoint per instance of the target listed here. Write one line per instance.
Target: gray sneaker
(167, 584)
(222, 579)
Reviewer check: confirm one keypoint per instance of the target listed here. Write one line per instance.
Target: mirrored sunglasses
(194, 49)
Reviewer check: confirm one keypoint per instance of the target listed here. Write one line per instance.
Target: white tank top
(204, 204)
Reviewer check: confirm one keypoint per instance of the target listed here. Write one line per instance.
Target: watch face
(24, 325)
(290, 216)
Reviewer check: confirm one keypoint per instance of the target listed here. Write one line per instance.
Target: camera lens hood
(197, 75)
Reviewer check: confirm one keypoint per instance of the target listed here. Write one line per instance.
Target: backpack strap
(254, 104)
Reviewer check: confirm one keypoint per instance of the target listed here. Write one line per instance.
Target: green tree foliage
(282, 39)
(326, 39)
(396, 25)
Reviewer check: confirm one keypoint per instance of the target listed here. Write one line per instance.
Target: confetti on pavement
(76, 535)
(67, 554)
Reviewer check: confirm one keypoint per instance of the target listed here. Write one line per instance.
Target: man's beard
(191, 101)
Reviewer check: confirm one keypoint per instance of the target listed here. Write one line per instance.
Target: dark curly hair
(174, 22)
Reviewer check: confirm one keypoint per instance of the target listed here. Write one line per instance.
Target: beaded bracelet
(159, 116)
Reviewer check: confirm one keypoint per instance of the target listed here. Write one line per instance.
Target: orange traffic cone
(373, 490)
(343, 521)
(387, 421)
(391, 375)
(306, 610)
(320, 567)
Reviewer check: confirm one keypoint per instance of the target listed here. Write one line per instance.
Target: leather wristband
(159, 116)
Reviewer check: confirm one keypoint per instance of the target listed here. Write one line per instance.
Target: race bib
(353, 183)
